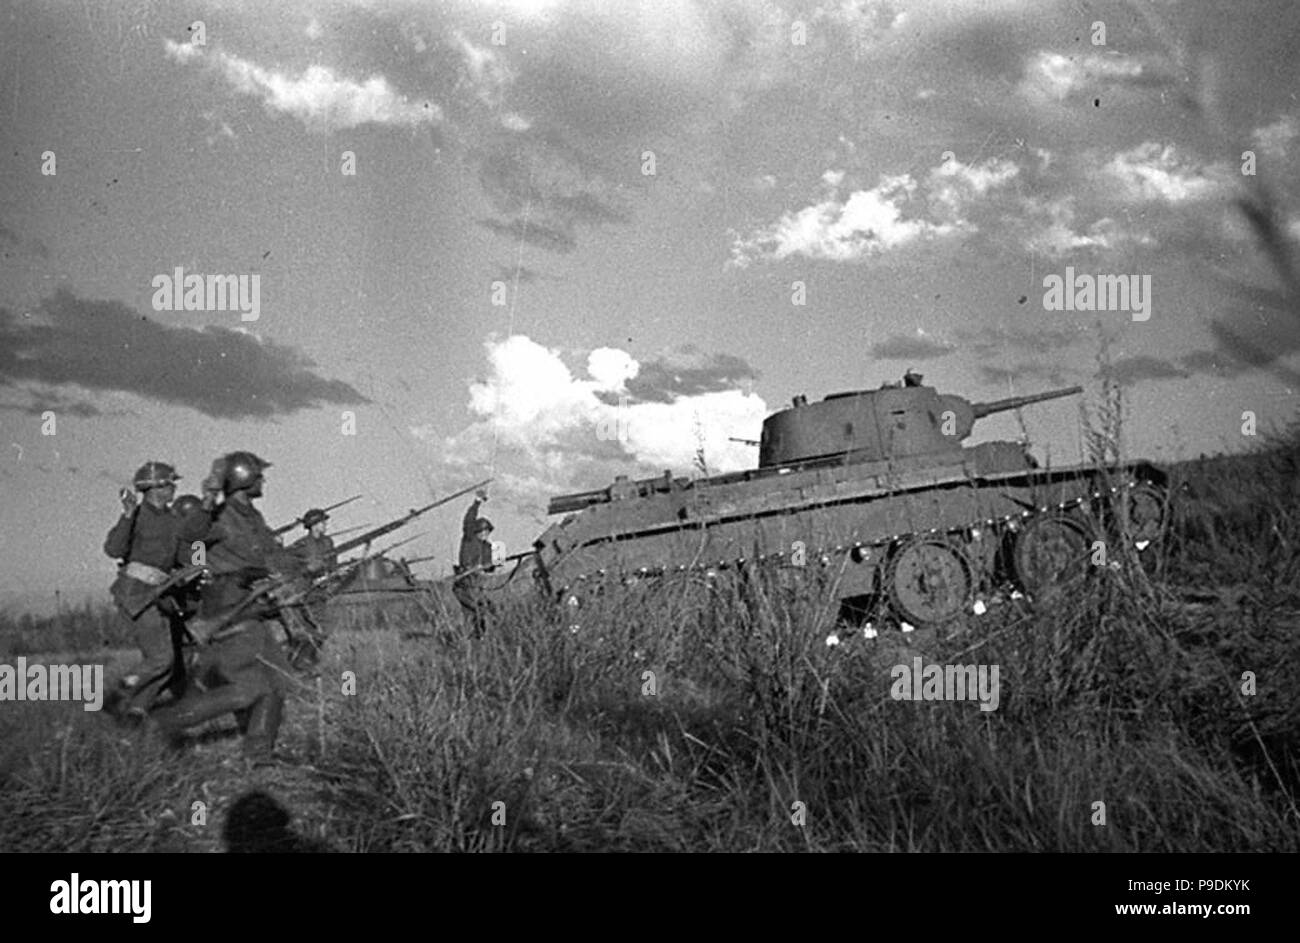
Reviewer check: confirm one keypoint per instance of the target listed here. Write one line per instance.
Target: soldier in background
(316, 550)
(244, 664)
(475, 560)
(316, 555)
(147, 539)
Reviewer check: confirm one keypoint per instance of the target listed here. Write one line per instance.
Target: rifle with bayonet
(482, 569)
(286, 590)
(285, 528)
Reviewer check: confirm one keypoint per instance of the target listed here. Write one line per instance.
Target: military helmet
(313, 517)
(481, 525)
(187, 504)
(241, 470)
(155, 475)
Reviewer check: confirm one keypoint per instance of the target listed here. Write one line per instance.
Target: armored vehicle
(874, 489)
(380, 590)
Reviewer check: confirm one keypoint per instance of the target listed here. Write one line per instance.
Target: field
(693, 719)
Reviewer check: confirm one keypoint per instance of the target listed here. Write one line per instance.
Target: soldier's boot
(195, 709)
(263, 727)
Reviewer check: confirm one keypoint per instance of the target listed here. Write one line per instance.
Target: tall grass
(709, 715)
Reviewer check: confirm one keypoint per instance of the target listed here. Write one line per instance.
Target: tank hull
(929, 538)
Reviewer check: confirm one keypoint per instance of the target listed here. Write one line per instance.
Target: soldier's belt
(145, 573)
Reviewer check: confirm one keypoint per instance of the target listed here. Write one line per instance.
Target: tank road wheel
(1146, 513)
(930, 581)
(1050, 552)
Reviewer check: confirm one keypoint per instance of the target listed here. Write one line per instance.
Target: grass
(545, 738)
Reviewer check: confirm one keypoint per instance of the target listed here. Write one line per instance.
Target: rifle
(423, 559)
(274, 587)
(285, 528)
(178, 578)
(411, 515)
(479, 569)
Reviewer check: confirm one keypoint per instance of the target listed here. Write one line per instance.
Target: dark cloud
(508, 274)
(105, 345)
(1207, 361)
(1024, 371)
(53, 402)
(531, 180)
(909, 347)
(534, 233)
(1129, 370)
(686, 371)
(996, 340)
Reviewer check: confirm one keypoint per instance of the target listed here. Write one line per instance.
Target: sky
(551, 241)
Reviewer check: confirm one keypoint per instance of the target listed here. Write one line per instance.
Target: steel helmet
(241, 470)
(313, 517)
(155, 475)
(481, 525)
(187, 504)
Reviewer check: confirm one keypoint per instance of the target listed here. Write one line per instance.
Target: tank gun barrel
(1015, 402)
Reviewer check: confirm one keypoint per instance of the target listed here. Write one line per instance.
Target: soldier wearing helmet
(316, 555)
(148, 540)
(475, 560)
(247, 666)
(316, 549)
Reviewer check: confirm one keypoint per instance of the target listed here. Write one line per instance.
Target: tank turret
(894, 422)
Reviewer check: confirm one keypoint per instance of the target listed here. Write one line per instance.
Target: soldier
(147, 539)
(316, 549)
(316, 555)
(475, 560)
(247, 667)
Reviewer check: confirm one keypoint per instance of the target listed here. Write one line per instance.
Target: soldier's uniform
(315, 555)
(475, 560)
(245, 670)
(148, 541)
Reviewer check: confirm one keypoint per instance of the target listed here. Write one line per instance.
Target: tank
(874, 492)
(380, 591)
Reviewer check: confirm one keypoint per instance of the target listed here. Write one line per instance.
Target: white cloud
(1050, 75)
(871, 222)
(1150, 172)
(488, 72)
(1057, 237)
(552, 427)
(1273, 139)
(317, 97)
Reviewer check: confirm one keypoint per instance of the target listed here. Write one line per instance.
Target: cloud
(1052, 76)
(552, 430)
(1129, 370)
(1151, 172)
(525, 275)
(909, 347)
(871, 222)
(56, 403)
(1051, 231)
(105, 345)
(1274, 139)
(688, 372)
(535, 234)
(991, 341)
(317, 97)
(1003, 376)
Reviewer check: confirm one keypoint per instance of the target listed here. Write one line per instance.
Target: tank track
(927, 577)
